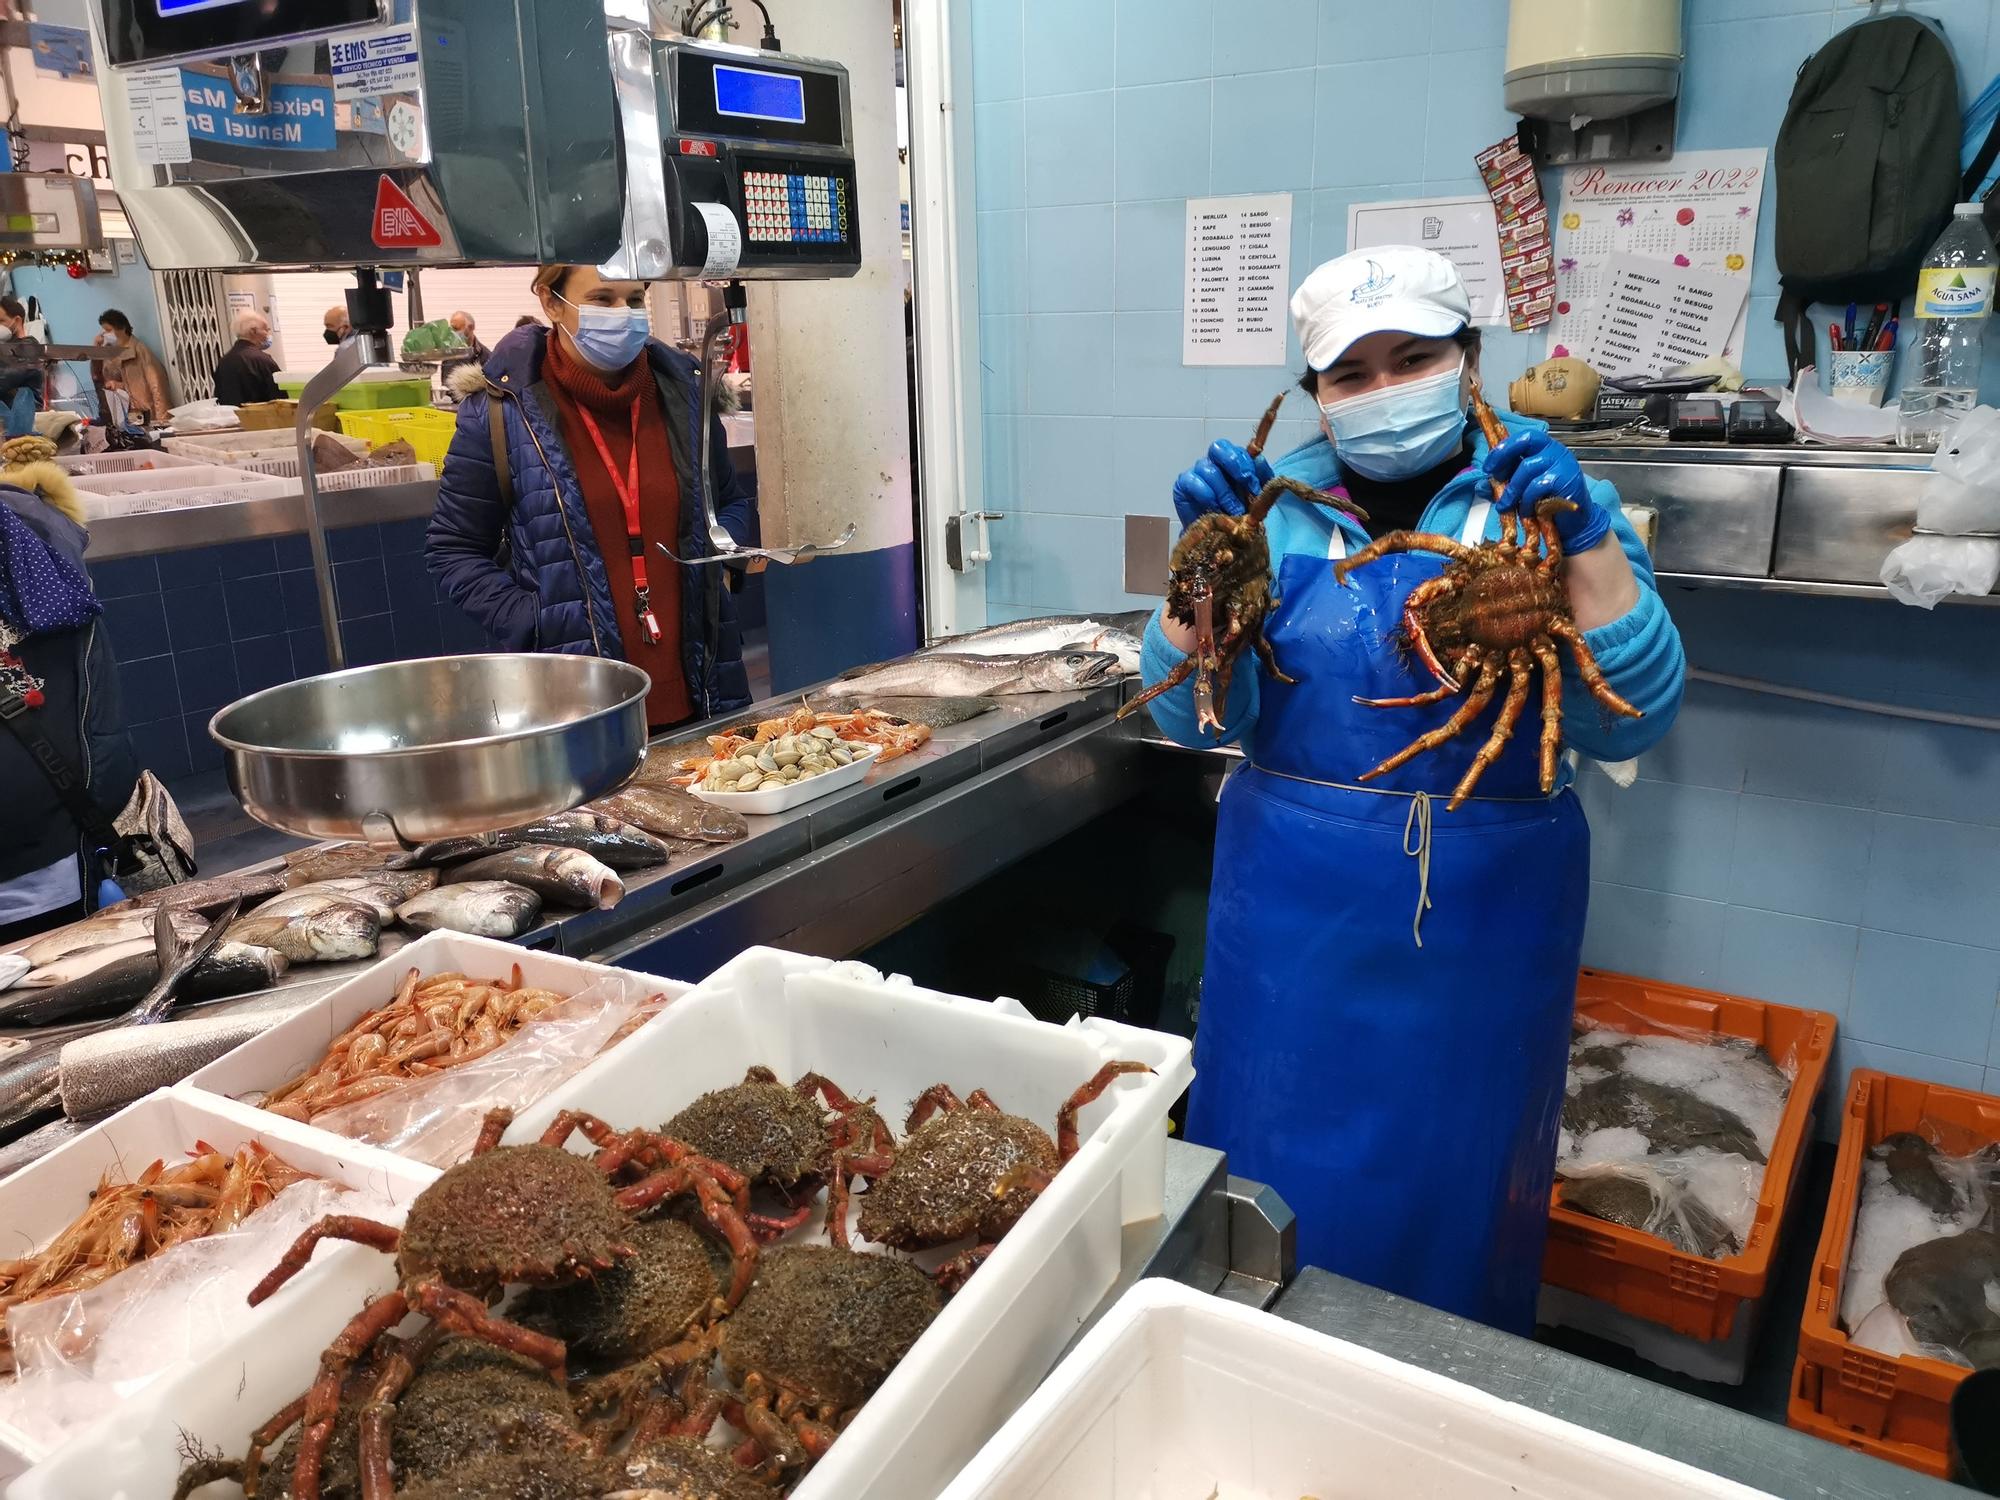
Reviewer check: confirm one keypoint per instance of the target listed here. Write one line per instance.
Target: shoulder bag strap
(496, 426)
(63, 775)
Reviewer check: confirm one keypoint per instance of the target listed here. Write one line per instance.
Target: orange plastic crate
(1894, 1408)
(1639, 1273)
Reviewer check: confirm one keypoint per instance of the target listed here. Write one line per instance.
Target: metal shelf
(1800, 586)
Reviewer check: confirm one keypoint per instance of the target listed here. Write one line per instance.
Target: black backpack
(1867, 170)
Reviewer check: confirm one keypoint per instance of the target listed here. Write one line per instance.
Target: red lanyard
(628, 497)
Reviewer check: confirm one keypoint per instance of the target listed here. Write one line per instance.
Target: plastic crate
(126, 463)
(1176, 1395)
(368, 395)
(286, 466)
(425, 429)
(1894, 1408)
(1640, 1274)
(235, 447)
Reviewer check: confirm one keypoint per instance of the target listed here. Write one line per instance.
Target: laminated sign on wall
(1239, 254)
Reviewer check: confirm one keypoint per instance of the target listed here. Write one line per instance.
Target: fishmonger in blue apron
(1388, 985)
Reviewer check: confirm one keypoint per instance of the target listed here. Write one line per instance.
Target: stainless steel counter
(153, 532)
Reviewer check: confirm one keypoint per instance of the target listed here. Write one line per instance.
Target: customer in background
(465, 328)
(247, 372)
(574, 459)
(143, 378)
(59, 682)
(338, 329)
(21, 379)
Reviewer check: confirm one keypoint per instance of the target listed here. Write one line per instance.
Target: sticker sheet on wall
(1697, 211)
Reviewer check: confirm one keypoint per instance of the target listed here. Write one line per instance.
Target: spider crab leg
(1503, 729)
(1482, 694)
(1552, 708)
(1465, 662)
(1588, 669)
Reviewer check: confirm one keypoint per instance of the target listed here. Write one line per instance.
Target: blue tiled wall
(1095, 119)
(1801, 854)
(197, 629)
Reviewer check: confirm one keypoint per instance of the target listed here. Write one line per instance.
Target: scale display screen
(159, 31)
(182, 7)
(748, 93)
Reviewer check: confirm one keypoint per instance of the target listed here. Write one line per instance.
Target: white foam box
(1175, 1395)
(890, 1040)
(299, 1042)
(42, 1199)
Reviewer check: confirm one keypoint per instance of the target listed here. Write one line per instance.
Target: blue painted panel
(846, 609)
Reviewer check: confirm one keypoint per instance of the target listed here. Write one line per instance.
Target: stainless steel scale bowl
(436, 748)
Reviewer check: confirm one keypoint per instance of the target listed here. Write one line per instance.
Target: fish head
(1087, 668)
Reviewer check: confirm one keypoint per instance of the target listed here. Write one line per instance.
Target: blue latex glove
(1226, 480)
(1536, 468)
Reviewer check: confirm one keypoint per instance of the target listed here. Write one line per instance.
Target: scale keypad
(795, 208)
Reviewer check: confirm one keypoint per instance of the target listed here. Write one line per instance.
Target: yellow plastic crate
(426, 430)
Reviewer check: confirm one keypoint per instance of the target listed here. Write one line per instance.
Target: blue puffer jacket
(533, 574)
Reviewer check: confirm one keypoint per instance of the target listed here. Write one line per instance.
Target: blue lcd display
(754, 95)
(182, 7)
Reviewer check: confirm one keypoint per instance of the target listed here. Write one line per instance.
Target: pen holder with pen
(1859, 375)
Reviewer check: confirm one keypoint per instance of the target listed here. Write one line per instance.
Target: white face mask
(1400, 430)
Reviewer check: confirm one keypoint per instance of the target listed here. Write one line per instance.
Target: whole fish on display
(330, 861)
(947, 676)
(938, 713)
(231, 969)
(673, 814)
(568, 877)
(331, 933)
(484, 908)
(30, 1078)
(84, 961)
(204, 895)
(380, 896)
(100, 930)
(1049, 633)
(621, 845)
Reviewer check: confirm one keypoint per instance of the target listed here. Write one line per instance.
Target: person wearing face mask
(1388, 986)
(247, 373)
(337, 328)
(574, 457)
(143, 378)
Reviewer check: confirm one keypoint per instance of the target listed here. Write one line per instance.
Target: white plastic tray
(890, 1039)
(1179, 1396)
(295, 1044)
(286, 465)
(806, 789)
(40, 1200)
(125, 463)
(218, 447)
(243, 484)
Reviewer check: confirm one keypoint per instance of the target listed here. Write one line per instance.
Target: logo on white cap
(1373, 288)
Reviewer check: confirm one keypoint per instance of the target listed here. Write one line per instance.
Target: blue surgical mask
(1400, 430)
(610, 337)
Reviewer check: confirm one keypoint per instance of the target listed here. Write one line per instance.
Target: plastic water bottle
(1954, 298)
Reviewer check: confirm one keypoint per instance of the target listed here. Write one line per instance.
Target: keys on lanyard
(628, 497)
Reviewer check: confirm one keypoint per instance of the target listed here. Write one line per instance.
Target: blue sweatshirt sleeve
(1640, 655)
(1173, 710)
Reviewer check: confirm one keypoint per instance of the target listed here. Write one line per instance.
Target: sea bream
(944, 675)
(566, 876)
(381, 894)
(329, 933)
(484, 908)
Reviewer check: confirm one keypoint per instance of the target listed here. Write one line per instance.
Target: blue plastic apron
(1403, 1099)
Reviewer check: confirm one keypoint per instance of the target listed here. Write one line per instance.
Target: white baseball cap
(1399, 287)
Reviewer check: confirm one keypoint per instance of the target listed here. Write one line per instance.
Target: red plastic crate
(1639, 1273)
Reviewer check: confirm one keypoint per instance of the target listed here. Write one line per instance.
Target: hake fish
(947, 676)
(325, 934)
(567, 876)
(1016, 637)
(231, 969)
(84, 961)
(484, 908)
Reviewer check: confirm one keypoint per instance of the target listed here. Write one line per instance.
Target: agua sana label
(1956, 292)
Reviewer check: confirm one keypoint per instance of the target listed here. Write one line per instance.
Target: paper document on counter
(1655, 316)
(1460, 229)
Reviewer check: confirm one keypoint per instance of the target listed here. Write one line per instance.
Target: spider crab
(1497, 607)
(1220, 588)
(534, 1214)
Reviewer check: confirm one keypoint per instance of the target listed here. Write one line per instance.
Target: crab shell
(767, 1131)
(636, 1307)
(518, 1213)
(944, 1184)
(686, 1468)
(828, 1324)
(471, 1398)
(525, 1474)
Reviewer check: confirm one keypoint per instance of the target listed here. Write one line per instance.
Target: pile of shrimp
(127, 1222)
(869, 726)
(431, 1025)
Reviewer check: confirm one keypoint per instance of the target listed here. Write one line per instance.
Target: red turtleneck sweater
(580, 387)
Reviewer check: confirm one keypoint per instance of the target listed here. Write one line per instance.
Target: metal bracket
(1263, 1243)
(966, 543)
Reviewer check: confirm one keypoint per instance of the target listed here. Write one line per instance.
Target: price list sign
(1239, 253)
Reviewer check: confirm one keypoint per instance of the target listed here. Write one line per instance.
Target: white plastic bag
(1926, 569)
(1959, 509)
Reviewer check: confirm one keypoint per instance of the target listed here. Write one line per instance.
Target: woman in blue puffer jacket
(574, 461)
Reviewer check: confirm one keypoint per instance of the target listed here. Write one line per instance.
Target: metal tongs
(726, 547)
